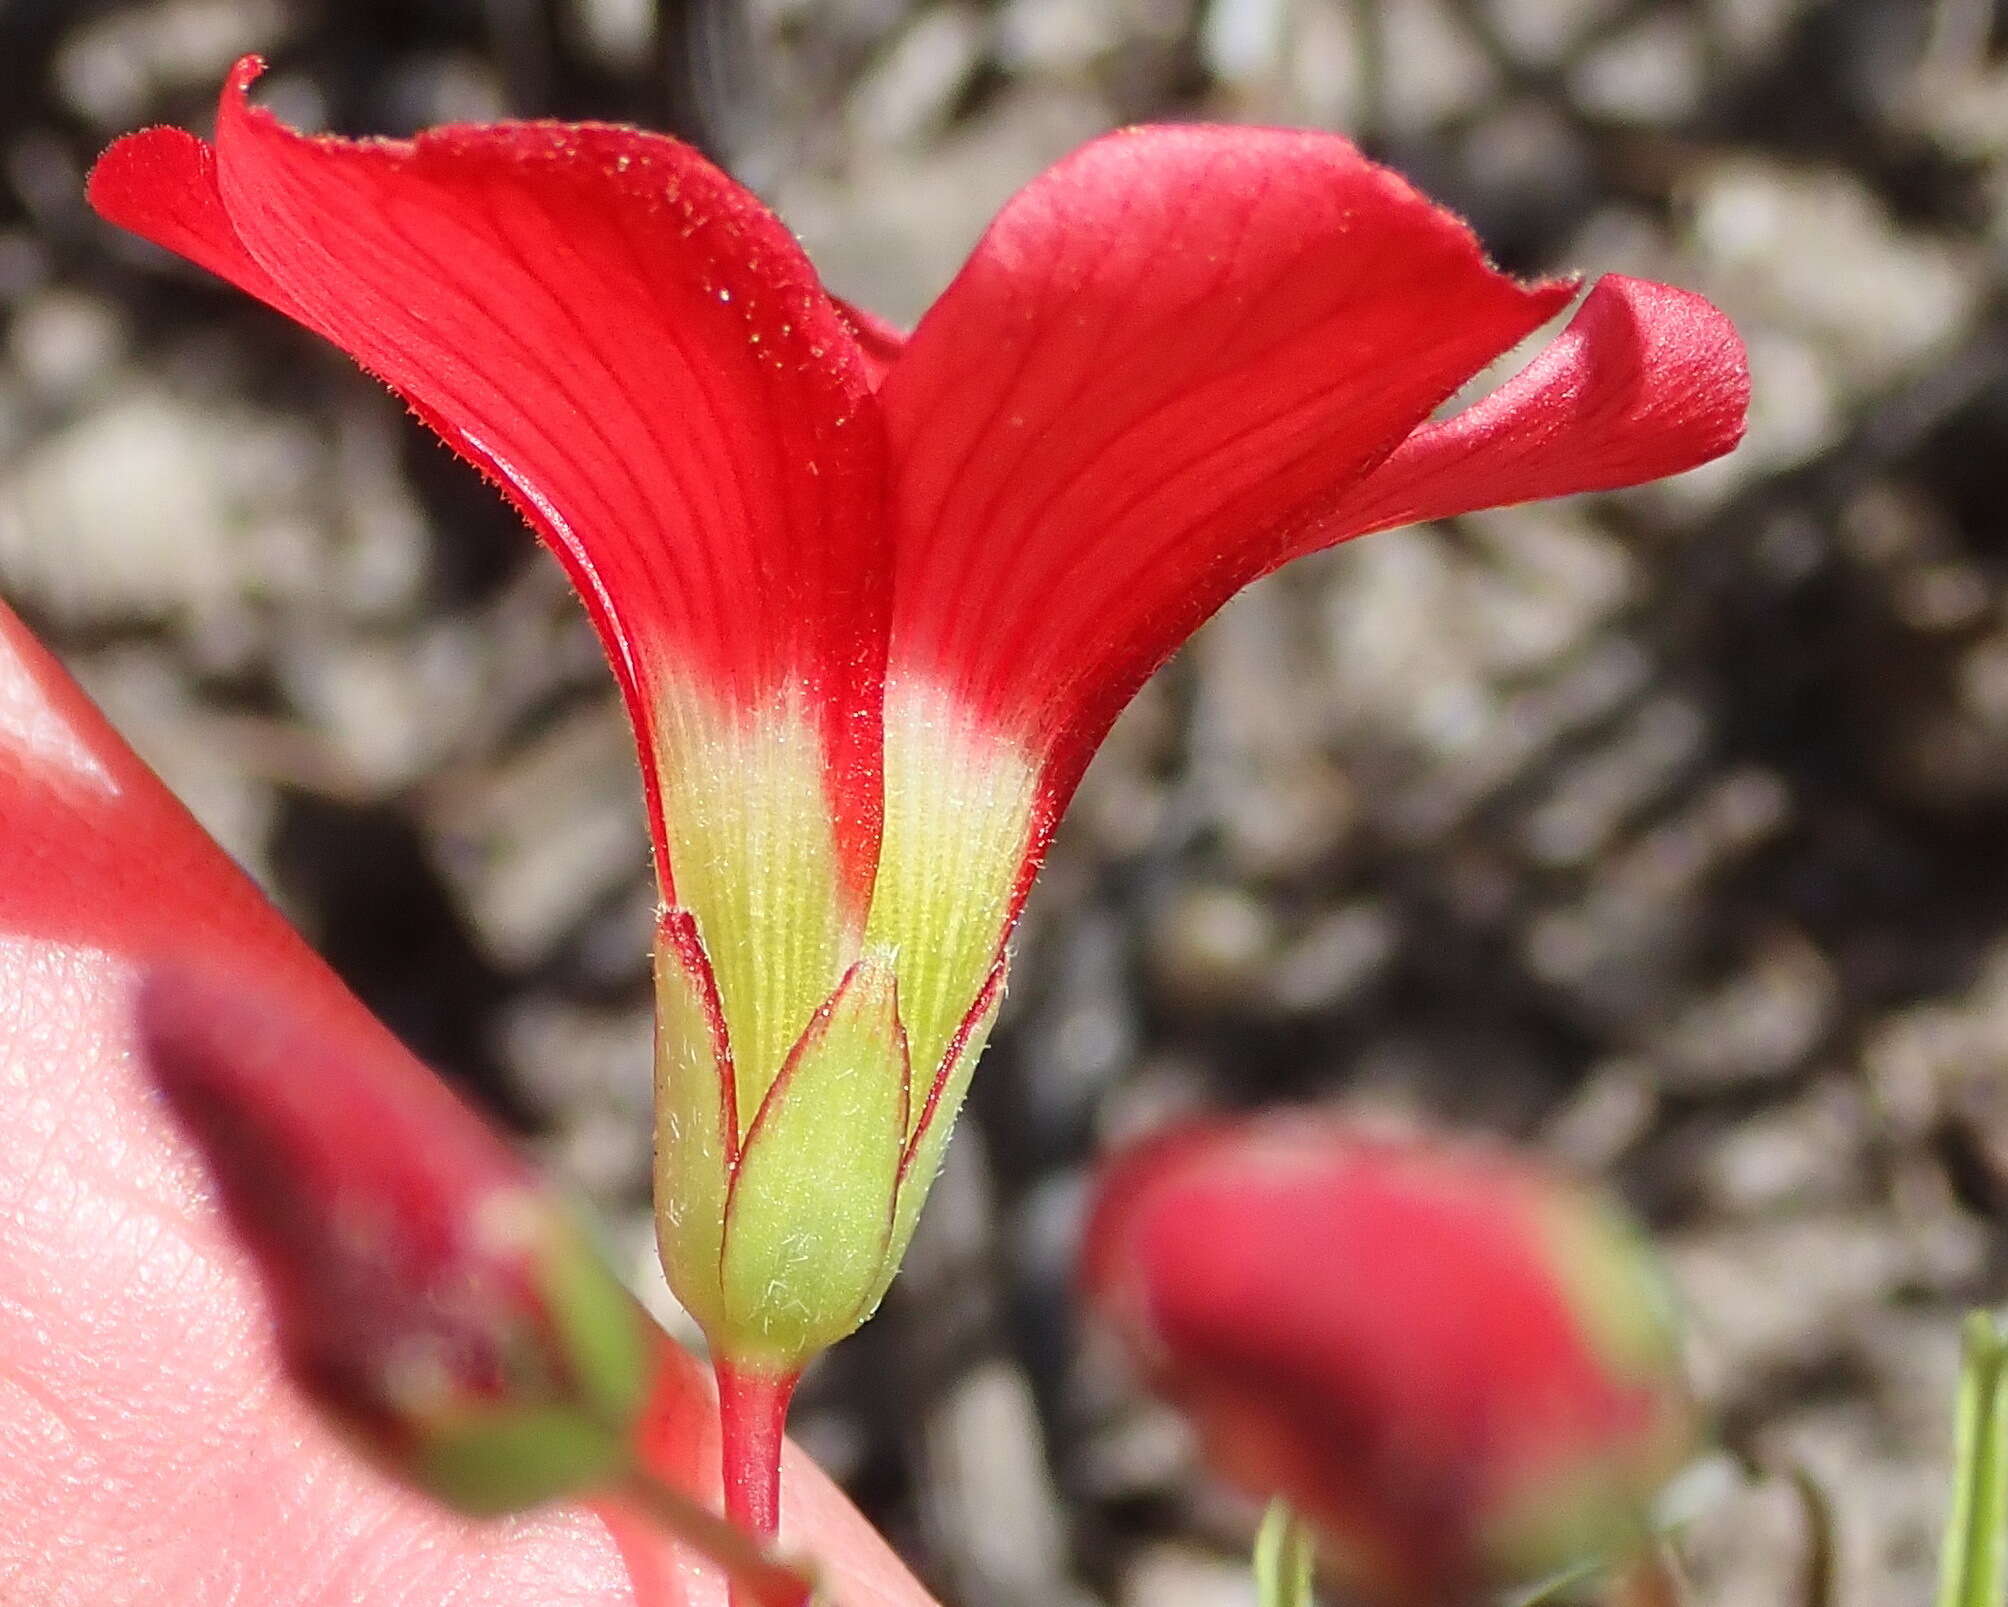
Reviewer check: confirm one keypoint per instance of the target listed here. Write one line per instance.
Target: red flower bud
(430, 1292)
(1459, 1369)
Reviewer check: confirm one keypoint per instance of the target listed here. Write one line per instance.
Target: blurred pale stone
(1174, 1575)
(1595, 796)
(1542, 33)
(535, 843)
(392, 709)
(155, 710)
(64, 342)
(1213, 946)
(113, 67)
(1753, 1551)
(127, 511)
(1244, 41)
(1749, 30)
(895, 241)
(565, 1055)
(1055, 36)
(1758, 1024)
(1810, 1152)
(1812, 250)
(991, 1496)
(1337, 955)
(1443, 73)
(1651, 73)
(1326, 67)
(1888, 1521)
(1605, 1117)
(908, 93)
(1777, 1294)
(619, 32)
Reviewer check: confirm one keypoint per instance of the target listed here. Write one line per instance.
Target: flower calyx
(785, 1222)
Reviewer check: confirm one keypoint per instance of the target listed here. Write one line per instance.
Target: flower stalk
(752, 1420)
(756, 1578)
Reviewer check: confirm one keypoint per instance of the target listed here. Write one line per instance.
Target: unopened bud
(1460, 1370)
(431, 1293)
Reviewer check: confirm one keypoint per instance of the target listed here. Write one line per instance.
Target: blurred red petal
(626, 341)
(1645, 381)
(1165, 357)
(95, 853)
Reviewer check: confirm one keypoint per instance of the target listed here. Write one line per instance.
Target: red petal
(96, 854)
(1646, 381)
(1165, 356)
(161, 183)
(623, 338)
(880, 341)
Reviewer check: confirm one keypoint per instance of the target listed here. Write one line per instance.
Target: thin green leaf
(1974, 1563)
(1284, 1559)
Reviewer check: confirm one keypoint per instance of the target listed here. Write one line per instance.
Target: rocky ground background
(1664, 832)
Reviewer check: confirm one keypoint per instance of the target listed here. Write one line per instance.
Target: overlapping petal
(639, 353)
(1646, 380)
(1166, 355)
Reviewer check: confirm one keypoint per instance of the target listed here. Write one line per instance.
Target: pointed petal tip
(234, 106)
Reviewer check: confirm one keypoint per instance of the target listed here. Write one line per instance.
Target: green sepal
(492, 1463)
(1285, 1559)
(924, 1149)
(605, 1340)
(1598, 1507)
(694, 1120)
(1615, 1285)
(581, 1363)
(809, 1218)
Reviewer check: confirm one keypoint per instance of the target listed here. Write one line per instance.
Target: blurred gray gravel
(1664, 831)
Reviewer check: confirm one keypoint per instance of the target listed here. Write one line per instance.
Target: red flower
(873, 604)
(1460, 1370)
